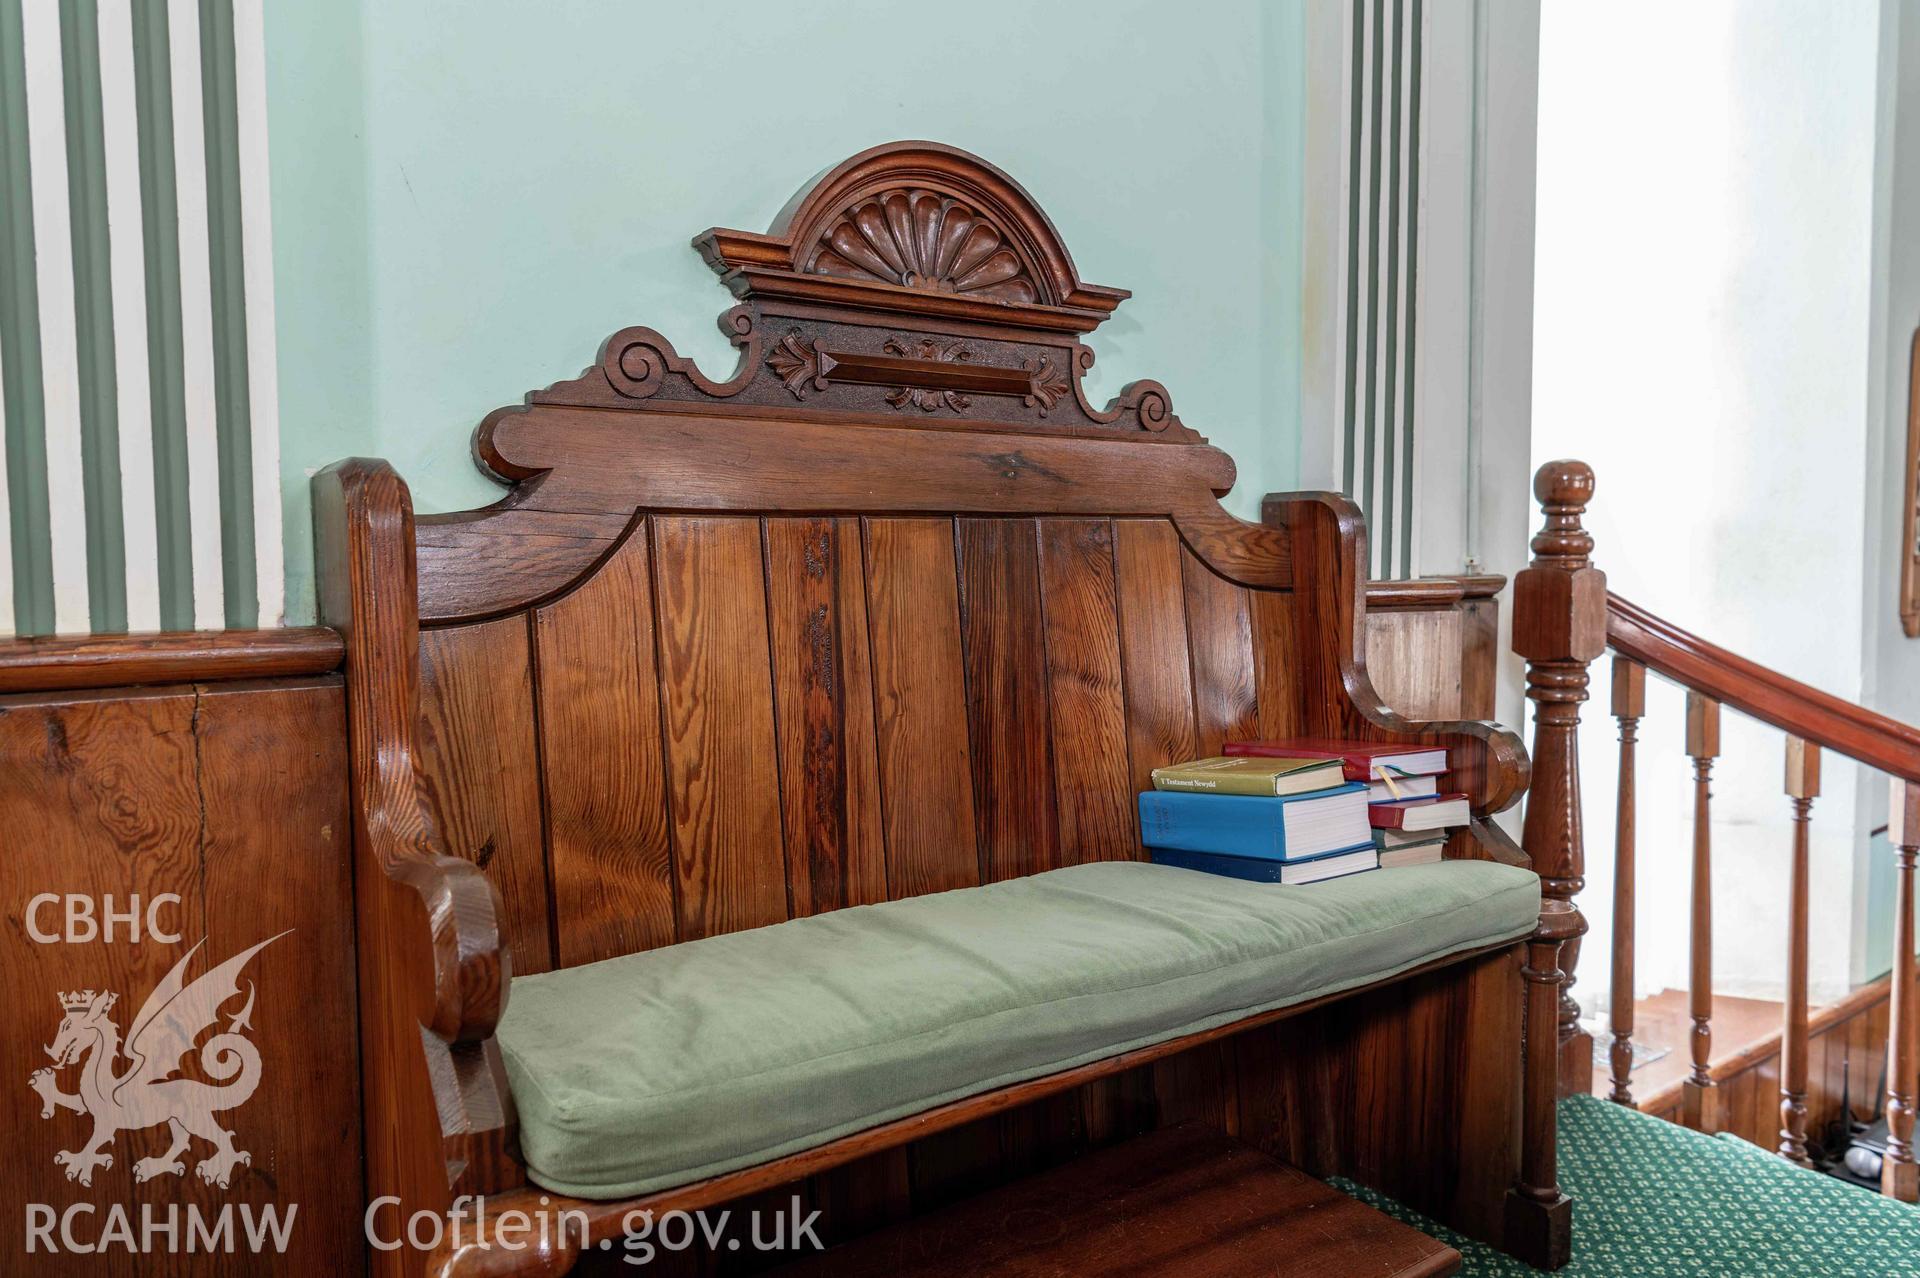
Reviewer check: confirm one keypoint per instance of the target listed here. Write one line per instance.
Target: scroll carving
(637, 361)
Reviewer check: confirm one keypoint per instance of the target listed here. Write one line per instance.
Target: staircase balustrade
(1564, 618)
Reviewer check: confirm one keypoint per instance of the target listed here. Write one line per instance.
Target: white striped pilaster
(196, 315)
(128, 253)
(59, 348)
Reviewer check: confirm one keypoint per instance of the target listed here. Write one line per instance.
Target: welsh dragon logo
(141, 1090)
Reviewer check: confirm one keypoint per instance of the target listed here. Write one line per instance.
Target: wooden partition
(208, 806)
(1433, 645)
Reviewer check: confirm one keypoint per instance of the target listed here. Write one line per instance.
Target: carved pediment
(912, 283)
(918, 228)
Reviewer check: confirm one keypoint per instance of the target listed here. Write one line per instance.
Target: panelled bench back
(892, 611)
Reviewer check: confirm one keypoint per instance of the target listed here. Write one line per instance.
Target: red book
(1427, 812)
(1363, 760)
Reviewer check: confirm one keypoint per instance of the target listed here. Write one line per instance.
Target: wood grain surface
(1184, 1201)
(231, 797)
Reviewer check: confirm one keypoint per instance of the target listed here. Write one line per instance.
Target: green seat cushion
(655, 1069)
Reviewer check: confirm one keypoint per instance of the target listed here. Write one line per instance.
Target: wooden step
(1186, 1201)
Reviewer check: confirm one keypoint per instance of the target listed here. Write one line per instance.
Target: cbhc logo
(86, 920)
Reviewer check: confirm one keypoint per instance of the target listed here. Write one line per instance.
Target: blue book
(1262, 869)
(1290, 828)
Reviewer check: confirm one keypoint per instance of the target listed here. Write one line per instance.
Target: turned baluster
(1629, 704)
(1803, 784)
(1702, 1110)
(1899, 1178)
(1559, 625)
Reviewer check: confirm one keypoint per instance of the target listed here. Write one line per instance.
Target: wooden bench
(892, 610)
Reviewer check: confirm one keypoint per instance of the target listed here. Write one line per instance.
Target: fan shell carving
(924, 240)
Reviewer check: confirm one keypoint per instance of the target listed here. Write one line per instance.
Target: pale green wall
(469, 197)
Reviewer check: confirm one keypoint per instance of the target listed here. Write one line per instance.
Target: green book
(1251, 774)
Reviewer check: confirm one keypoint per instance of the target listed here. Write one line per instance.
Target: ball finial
(1567, 482)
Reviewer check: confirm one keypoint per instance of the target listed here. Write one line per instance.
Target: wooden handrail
(1564, 617)
(1794, 707)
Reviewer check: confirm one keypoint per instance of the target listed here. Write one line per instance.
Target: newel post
(1559, 626)
(1539, 1216)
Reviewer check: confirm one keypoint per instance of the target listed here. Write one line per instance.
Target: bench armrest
(1487, 761)
(433, 966)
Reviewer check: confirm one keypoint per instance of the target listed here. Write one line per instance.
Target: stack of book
(1300, 811)
(1411, 818)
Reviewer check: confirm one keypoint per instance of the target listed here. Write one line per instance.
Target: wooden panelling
(1220, 639)
(945, 790)
(1416, 659)
(1154, 655)
(941, 702)
(276, 861)
(1198, 1085)
(1014, 783)
(913, 613)
(1479, 659)
(1846, 1052)
(1085, 692)
(610, 861)
(1423, 632)
(107, 784)
(1096, 802)
(864, 1194)
(717, 692)
(480, 761)
(1189, 1203)
(233, 798)
(1288, 696)
(1845, 1059)
(823, 701)
(960, 1161)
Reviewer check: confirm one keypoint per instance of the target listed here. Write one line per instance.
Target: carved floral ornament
(927, 349)
(905, 364)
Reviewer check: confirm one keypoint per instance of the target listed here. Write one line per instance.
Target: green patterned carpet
(1652, 1200)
